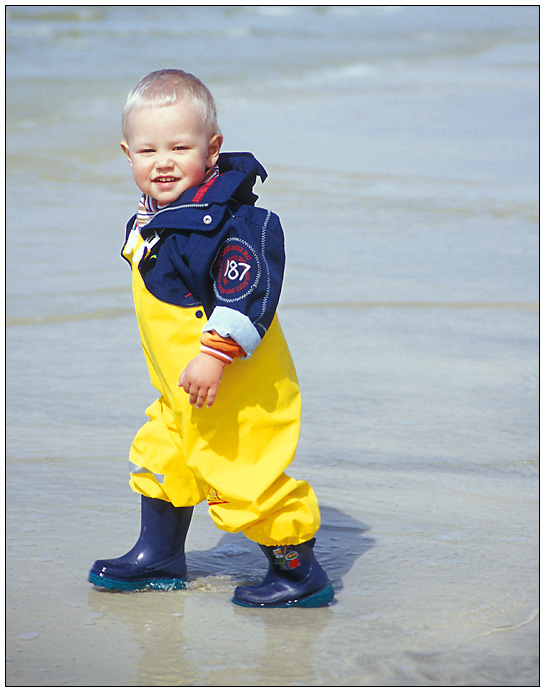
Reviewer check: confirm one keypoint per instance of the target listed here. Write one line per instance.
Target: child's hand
(201, 379)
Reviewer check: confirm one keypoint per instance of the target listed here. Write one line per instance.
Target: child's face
(169, 149)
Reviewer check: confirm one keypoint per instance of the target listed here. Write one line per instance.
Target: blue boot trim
(152, 584)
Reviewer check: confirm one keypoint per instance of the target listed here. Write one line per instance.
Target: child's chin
(165, 194)
(167, 198)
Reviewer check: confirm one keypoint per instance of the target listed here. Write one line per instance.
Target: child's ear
(214, 149)
(124, 145)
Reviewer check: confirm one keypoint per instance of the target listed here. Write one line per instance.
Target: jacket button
(199, 314)
(207, 219)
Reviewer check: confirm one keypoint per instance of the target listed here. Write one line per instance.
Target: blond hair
(168, 87)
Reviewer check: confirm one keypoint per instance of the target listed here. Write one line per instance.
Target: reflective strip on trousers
(134, 469)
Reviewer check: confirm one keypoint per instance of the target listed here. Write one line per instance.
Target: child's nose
(164, 161)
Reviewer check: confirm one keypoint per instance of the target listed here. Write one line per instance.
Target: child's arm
(247, 271)
(247, 274)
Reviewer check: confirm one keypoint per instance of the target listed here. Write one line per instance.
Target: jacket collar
(238, 173)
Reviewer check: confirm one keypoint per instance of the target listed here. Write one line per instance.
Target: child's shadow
(340, 541)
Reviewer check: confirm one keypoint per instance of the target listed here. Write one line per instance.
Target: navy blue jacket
(216, 249)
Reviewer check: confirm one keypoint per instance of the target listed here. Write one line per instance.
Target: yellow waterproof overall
(233, 454)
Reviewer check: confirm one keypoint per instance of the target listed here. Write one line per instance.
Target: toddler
(207, 268)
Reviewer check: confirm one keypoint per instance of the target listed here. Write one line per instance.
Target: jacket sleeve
(247, 274)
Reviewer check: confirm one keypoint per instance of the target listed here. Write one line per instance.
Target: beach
(401, 145)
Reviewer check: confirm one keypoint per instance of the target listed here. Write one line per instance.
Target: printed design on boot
(286, 557)
(213, 497)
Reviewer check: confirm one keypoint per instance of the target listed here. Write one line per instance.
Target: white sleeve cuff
(228, 322)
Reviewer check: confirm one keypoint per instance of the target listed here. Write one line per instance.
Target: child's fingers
(211, 396)
(195, 396)
(202, 396)
(198, 396)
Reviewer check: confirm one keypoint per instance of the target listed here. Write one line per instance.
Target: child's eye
(181, 147)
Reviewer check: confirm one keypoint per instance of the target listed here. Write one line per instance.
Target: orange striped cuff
(224, 348)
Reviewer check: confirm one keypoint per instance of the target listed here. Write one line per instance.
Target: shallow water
(401, 144)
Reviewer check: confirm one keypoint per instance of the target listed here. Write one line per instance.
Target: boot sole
(171, 584)
(315, 600)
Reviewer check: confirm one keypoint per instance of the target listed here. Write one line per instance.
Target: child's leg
(241, 447)
(288, 520)
(168, 490)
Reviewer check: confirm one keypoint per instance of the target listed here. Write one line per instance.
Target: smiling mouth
(165, 179)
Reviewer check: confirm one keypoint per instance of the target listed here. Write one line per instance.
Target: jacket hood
(238, 173)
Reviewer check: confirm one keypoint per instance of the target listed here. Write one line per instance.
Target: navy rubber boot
(294, 579)
(157, 561)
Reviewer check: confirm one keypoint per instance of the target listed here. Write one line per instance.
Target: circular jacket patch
(236, 269)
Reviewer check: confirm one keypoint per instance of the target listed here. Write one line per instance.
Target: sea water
(402, 148)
